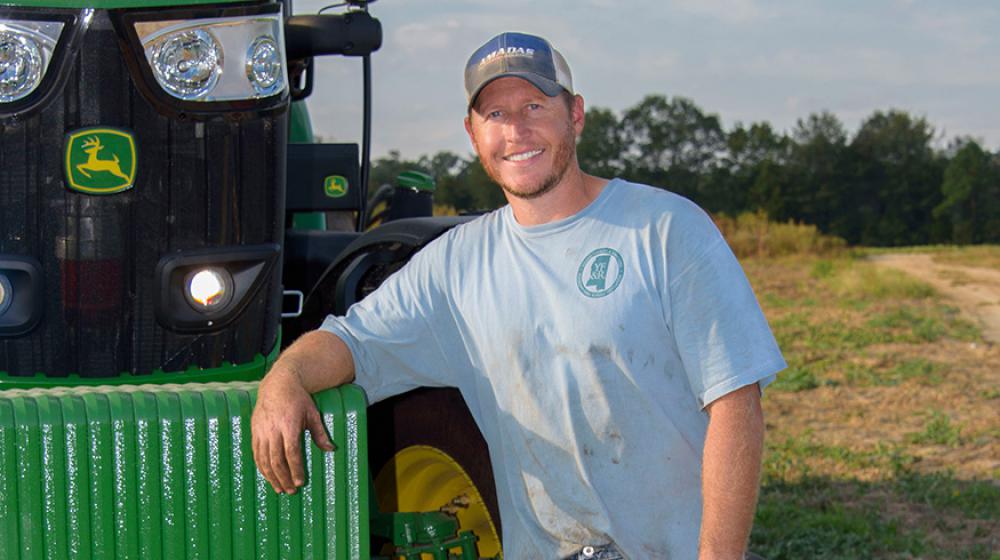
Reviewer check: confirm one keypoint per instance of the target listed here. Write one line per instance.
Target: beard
(563, 156)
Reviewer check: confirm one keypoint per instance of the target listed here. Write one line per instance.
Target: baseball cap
(520, 55)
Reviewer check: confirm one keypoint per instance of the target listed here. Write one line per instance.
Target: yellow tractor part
(424, 478)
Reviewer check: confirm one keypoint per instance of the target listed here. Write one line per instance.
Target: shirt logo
(100, 160)
(600, 273)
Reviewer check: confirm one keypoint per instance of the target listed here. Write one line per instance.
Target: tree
(482, 193)
(971, 191)
(461, 183)
(672, 143)
(603, 144)
(818, 190)
(755, 168)
(384, 170)
(885, 186)
(447, 168)
(897, 178)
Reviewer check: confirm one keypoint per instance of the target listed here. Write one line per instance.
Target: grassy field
(884, 432)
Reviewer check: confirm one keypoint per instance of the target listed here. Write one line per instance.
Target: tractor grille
(201, 183)
(163, 472)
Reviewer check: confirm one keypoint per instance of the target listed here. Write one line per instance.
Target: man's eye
(494, 114)
(534, 106)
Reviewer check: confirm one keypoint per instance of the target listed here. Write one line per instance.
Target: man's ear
(472, 135)
(579, 114)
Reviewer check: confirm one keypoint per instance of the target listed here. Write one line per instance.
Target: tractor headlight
(264, 67)
(26, 49)
(209, 289)
(21, 304)
(188, 64)
(217, 59)
(204, 290)
(6, 294)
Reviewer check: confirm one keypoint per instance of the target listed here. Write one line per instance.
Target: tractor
(167, 226)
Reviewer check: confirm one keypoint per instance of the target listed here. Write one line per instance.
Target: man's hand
(285, 408)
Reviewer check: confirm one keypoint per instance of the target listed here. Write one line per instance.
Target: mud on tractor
(166, 224)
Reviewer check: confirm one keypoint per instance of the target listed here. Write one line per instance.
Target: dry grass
(977, 256)
(753, 235)
(889, 413)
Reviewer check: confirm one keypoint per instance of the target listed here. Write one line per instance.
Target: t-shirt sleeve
(393, 334)
(721, 334)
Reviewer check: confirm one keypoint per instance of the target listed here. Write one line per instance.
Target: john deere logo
(335, 186)
(600, 273)
(100, 160)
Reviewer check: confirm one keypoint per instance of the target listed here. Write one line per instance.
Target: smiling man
(603, 335)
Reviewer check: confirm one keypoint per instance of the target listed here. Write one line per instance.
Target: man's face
(524, 139)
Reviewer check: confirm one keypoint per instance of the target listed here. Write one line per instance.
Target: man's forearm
(318, 360)
(731, 473)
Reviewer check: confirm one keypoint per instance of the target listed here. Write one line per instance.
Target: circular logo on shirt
(600, 273)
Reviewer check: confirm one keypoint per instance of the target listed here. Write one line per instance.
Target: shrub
(751, 234)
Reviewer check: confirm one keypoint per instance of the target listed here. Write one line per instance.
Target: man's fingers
(293, 454)
(279, 467)
(315, 424)
(277, 438)
(263, 459)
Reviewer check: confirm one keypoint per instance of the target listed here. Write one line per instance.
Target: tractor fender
(363, 264)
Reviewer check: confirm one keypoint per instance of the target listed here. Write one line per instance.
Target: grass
(939, 431)
(892, 370)
(809, 520)
(883, 438)
(976, 256)
(796, 378)
(856, 281)
(977, 499)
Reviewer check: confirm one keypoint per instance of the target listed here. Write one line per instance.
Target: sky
(743, 60)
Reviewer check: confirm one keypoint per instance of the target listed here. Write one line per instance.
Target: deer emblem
(92, 146)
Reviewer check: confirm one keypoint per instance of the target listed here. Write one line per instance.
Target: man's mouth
(523, 156)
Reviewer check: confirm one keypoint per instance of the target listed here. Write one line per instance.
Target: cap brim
(545, 85)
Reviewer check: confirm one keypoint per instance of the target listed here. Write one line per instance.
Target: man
(601, 332)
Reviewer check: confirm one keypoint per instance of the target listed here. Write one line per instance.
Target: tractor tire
(428, 454)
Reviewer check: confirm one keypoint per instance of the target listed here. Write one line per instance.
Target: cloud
(965, 31)
(418, 37)
(873, 66)
(728, 11)
(750, 60)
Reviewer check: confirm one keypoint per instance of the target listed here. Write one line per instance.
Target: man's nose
(516, 128)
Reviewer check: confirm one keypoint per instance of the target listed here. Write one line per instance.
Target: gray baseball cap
(520, 55)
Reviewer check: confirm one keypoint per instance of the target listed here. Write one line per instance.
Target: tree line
(885, 185)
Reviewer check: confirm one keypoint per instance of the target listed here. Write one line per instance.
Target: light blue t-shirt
(586, 350)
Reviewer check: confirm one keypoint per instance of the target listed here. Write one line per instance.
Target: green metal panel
(300, 125)
(250, 371)
(167, 472)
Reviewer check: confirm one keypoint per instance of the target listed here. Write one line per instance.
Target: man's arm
(316, 361)
(731, 473)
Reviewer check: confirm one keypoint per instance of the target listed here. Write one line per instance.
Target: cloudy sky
(744, 60)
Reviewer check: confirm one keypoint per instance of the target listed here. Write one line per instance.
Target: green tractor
(166, 225)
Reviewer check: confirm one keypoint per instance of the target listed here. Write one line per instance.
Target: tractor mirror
(351, 34)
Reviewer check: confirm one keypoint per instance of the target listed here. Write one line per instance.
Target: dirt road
(975, 290)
